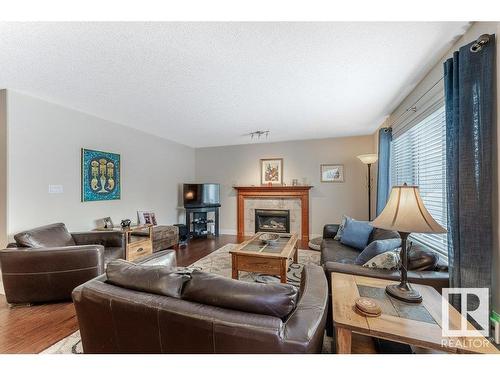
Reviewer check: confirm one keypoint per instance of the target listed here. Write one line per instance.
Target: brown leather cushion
(150, 279)
(277, 300)
(382, 234)
(421, 259)
(334, 251)
(53, 235)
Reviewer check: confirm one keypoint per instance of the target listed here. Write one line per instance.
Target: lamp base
(403, 292)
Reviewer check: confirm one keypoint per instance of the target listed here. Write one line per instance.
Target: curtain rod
(413, 107)
(476, 47)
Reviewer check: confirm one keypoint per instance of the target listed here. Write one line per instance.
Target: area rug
(218, 262)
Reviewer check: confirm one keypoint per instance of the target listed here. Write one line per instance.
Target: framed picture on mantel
(271, 171)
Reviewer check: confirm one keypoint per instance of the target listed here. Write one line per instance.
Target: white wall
(44, 142)
(434, 75)
(240, 165)
(3, 168)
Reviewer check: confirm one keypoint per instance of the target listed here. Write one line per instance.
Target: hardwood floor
(201, 247)
(32, 329)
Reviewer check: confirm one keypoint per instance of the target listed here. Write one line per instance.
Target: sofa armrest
(51, 259)
(305, 326)
(109, 238)
(437, 280)
(32, 275)
(330, 230)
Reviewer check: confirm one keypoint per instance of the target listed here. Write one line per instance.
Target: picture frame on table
(108, 223)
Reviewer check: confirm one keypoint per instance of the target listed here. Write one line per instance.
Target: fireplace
(283, 193)
(272, 221)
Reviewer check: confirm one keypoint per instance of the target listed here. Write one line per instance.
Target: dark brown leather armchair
(199, 313)
(47, 263)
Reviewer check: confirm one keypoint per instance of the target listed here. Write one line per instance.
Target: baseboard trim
(228, 231)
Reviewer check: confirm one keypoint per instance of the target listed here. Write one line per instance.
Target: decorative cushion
(53, 235)
(385, 261)
(421, 258)
(338, 236)
(161, 279)
(356, 233)
(375, 248)
(277, 300)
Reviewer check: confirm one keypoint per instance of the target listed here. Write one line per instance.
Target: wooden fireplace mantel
(300, 192)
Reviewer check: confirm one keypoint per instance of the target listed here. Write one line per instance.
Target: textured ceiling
(208, 84)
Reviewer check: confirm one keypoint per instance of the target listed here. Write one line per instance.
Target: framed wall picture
(332, 172)
(271, 171)
(100, 175)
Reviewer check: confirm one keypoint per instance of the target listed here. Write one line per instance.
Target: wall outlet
(56, 189)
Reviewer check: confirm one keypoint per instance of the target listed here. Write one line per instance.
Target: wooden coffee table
(255, 256)
(413, 324)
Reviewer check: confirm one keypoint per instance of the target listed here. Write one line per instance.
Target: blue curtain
(469, 96)
(384, 164)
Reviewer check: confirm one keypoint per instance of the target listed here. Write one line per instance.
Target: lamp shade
(368, 158)
(405, 212)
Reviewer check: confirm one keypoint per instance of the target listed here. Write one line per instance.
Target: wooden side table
(136, 246)
(413, 324)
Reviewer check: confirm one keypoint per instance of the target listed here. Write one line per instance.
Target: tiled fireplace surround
(295, 199)
(292, 204)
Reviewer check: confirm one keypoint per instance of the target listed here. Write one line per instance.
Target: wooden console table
(300, 192)
(136, 246)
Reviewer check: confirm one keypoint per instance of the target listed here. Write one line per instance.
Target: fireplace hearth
(272, 221)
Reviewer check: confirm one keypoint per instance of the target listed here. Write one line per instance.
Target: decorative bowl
(270, 238)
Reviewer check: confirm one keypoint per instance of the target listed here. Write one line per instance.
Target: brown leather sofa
(155, 310)
(424, 266)
(47, 263)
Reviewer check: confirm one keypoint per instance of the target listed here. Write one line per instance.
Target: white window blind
(419, 158)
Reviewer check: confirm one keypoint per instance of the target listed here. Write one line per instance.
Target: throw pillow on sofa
(356, 233)
(375, 248)
(157, 279)
(338, 236)
(385, 261)
(277, 300)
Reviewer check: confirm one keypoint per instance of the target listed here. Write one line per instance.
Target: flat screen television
(201, 195)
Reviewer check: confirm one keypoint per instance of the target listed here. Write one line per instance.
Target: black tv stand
(198, 222)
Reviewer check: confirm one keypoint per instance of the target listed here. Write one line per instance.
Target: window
(419, 158)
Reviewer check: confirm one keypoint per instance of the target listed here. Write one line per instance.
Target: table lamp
(369, 159)
(405, 213)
